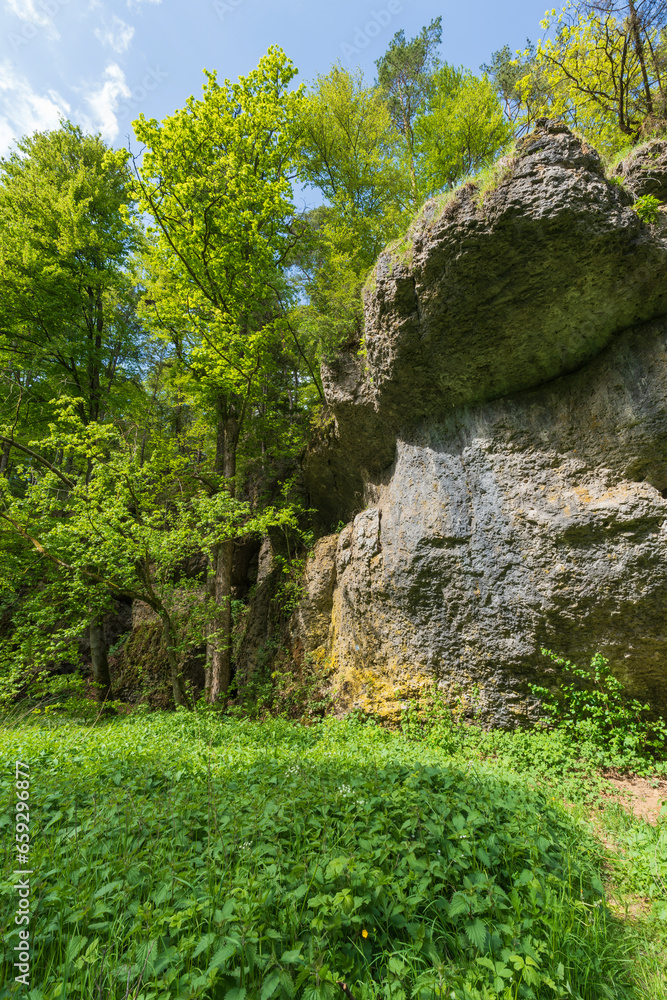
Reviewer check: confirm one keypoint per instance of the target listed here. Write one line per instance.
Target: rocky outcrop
(501, 452)
(644, 171)
(493, 291)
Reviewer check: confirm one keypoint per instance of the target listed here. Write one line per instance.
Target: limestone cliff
(500, 452)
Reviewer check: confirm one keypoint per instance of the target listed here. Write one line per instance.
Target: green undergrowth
(589, 724)
(194, 855)
(648, 208)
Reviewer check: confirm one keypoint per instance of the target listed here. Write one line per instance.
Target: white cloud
(23, 110)
(27, 11)
(104, 101)
(118, 35)
(138, 3)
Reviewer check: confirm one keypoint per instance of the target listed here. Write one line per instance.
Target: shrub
(599, 717)
(648, 208)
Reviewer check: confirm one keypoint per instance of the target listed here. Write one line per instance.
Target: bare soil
(643, 797)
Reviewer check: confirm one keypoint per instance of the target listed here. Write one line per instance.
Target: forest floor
(191, 855)
(643, 797)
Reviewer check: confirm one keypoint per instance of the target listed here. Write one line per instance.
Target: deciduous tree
(350, 152)
(67, 324)
(463, 130)
(120, 534)
(215, 177)
(603, 66)
(67, 234)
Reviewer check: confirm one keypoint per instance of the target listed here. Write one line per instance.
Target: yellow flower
(364, 934)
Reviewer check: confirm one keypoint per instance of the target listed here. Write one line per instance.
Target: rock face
(501, 453)
(645, 170)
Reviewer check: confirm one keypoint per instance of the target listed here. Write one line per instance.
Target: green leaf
(270, 985)
(476, 932)
(291, 956)
(222, 955)
(236, 993)
(204, 943)
(106, 889)
(486, 963)
(459, 904)
(287, 983)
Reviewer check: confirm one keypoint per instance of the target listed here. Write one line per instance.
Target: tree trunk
(413, 182)
(177, 685)
(221, 651)
(4, 457)
(98, 653)
(219, 582)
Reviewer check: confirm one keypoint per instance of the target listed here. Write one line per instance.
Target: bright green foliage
(223, 229)
(648, 208)
(349, 148)
(66, 238)
(68, 330)
(215, 179)
(464, 129)
(273, 859)
(518, 83)
(120, 533)
(594, 708)
(405, 78)
(595, 68)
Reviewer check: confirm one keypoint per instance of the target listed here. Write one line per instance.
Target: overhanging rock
(501, 452)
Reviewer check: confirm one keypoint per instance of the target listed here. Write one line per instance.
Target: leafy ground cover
(180, 855)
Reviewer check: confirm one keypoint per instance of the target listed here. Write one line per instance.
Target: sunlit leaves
(215, 177)
(464, 129)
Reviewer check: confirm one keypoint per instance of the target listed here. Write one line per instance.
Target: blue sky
(102, 62)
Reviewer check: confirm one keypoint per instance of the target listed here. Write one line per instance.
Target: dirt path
(643, 797)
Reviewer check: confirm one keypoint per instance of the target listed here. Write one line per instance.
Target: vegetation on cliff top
(159, 384)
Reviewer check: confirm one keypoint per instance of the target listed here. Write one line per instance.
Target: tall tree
(67, 326)
(67, 234)
(463, 130)
(405, 78)
(518, 85)
(215, 177)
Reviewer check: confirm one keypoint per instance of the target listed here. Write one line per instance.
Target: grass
(179, 855)
(490, 179)
(485, 181)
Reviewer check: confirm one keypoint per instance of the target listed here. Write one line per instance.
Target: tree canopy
(601, 66)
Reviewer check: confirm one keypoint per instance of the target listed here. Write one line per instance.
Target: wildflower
(364, 933)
